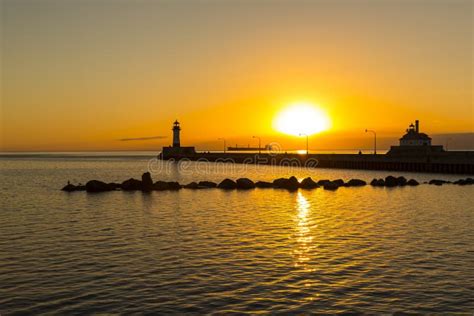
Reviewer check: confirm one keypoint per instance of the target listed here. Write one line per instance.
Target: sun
(302, 118)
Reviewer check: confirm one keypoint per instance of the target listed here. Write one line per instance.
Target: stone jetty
(146, 184)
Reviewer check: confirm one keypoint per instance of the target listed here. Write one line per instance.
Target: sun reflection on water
(303, 234)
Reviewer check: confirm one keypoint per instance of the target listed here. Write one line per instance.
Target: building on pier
(176, 149)
(415, 143)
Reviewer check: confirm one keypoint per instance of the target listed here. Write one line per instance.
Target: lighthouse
(176, 151)
(176, 130)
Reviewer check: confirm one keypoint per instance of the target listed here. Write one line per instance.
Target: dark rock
(131, 185)
(114, 186)
(245, 184)
(402, 181)
(97, 186)
(280, 183)
(291, 183)
(263, 184)
(227, 184)
(377, 183)
(80, 187)
(437, 182)
(147, 182)
(308, 183)
(323, 182)
(331, 185)
(161, 186)
(338, 182)
(467, 181)
(192, 185)
(356, 183)
(412, 182)
(207, 184)
(69, 188)
(391, 181)
(174, 186)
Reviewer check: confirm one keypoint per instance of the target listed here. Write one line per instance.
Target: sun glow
(302, 119)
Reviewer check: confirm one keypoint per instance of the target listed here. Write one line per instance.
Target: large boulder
(338, 182)
(192, 185)
(131, 185)
(147, 182)
(331, 186)
(402, 181)
(308, 183)
(174, 186)
(290, 184)
(263, 184)
(323, 182)
(161, 186)
(412, 182)
(245, 184)
(227, 184)
(356, 183)
(97, 186)
(207, 184)
(377, 183)
(391, 181)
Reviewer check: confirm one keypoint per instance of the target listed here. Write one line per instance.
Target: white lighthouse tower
(176, 130)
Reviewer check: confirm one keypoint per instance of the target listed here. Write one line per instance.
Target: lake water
(372, 250)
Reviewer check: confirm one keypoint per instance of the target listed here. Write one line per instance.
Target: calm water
(374, 250)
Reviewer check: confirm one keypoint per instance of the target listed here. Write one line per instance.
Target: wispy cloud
(141, 138)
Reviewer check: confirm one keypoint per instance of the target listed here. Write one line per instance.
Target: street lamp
(259, 144)
(375, 139)
(307, 149)
(224, 143)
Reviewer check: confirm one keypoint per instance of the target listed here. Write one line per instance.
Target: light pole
(259, 144)
(224, 143)
(307, 148)
(375, 139)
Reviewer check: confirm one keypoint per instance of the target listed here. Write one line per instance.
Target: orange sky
(81, 75)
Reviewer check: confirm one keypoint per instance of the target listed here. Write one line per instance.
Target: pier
(444, 162)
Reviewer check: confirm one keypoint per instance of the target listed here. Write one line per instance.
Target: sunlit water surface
(374, 250)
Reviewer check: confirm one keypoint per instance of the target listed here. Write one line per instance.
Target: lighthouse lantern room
(176, 129)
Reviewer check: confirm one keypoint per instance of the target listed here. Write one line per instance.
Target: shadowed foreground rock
(290, 184)
(192, 185)
(412, 182)
(308, 183)
(245, 184)
(131, 185)
(356, 183)
(207, 184)
(98, 186)
(227, 184)
(377, 182)
(331, 186)
(391, 181)
(263, 184)
(161, 186)
(147, 182)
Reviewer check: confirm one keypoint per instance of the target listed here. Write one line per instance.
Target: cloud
(141, 138)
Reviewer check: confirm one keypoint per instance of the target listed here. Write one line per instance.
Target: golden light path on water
(304, 238)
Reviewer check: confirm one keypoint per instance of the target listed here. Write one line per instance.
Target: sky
(114, 74)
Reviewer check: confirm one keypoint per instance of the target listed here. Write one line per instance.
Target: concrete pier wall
(445, 162)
